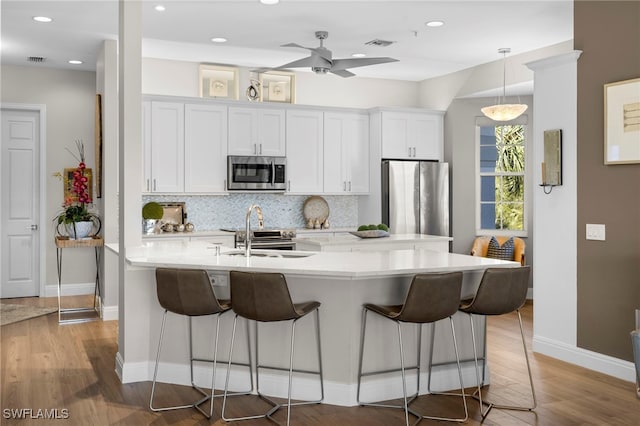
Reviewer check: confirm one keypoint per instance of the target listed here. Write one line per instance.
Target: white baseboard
(51, 290)
(530, 293)
(605, 364)
(305, 386)
(109, 313)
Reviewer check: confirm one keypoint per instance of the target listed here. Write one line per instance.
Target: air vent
(36, 59)
(378, 42)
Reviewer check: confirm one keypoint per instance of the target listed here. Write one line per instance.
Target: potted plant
(152, 212)
(75, 220)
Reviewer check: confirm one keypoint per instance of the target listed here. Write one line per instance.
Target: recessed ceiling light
(75, 62)
(160, 8)
(42, 19)
(358, 55)
(218, 39)
(269, 1)
(434, 24)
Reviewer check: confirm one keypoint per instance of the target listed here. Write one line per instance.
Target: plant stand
(97, 243)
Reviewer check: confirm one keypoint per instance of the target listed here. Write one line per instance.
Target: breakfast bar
(341, 281)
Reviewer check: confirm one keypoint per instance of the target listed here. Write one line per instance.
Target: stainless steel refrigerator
(415, 197)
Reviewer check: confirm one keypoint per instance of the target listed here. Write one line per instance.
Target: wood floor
(71, 367)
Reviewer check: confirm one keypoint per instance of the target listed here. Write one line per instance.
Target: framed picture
(98, 148)
(278, 86)
(67, 179)
(622, 122)
(217, 81)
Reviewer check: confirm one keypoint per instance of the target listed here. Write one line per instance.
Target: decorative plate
(315, 207)
(373, 233)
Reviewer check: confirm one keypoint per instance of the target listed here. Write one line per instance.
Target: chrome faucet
(247, 241)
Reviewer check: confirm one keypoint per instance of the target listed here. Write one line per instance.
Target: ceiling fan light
(504, 112)
(320, 70)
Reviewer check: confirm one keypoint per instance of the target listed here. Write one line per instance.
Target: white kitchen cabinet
(205, 148)
(256, 131)
(346, 153)
(305, 142)
(412, 135)
(166, 140)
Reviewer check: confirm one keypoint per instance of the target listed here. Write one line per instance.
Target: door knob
(34, 227)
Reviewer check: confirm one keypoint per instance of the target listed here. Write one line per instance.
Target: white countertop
(354, 265)
(350, 240)
(214, 233)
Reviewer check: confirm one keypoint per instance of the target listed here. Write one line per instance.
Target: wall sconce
(552, 165)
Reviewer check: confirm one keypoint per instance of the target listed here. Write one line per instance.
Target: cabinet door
(256, 131)
(335, 180)
(146, 147)
(167, 147)
(357, 140)
(205, 148)
(427, 137)
(243, 126)
(346, 153)
(395, 136)
(305, 134)
(271, 132)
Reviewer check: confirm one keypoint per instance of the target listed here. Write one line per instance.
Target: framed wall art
(67, 179)
(622, 122)
(278, 86)
(98, 147)
(217, 81)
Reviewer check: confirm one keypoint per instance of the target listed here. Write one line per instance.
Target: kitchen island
(341, 281)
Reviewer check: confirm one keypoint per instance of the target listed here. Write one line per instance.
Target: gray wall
(69, 97)
(608, 271)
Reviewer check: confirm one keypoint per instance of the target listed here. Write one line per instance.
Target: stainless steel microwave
(258, 173)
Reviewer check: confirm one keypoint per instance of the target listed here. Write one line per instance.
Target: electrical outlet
(595, 232)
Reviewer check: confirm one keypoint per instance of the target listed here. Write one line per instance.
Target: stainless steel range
(272, 239)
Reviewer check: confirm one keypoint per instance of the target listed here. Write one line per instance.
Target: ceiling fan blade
(342, 64)
(309, 61)
(296, 45)
(342, 73)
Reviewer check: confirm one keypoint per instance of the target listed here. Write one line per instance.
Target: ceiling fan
(322, 62)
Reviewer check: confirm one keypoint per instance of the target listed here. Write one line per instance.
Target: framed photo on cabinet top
(622, 122)
(278, 86)
(217, 81)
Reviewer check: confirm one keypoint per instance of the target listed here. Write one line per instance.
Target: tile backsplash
(210, 212)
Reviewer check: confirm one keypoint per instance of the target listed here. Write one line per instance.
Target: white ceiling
(474, 30)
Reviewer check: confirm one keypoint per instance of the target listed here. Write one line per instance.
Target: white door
(20, 203)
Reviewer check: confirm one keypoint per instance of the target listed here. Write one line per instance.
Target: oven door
(269, 245)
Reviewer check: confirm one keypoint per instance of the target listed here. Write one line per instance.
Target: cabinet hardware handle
(344, 185)
(154, 184)
(288, 185)
(255, 149)
(349, 186)
(148, 185)
(260, 151)
(409, 151)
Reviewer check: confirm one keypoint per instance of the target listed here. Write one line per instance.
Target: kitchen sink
(274, 253)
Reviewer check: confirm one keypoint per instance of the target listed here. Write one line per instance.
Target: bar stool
(431, 297)
(265, 297)
(501, 291)
(189, 292)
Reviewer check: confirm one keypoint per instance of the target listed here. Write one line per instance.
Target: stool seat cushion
(305, 307)
(389, 311)
(187, 292)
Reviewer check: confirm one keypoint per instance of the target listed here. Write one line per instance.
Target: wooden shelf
(65, 242)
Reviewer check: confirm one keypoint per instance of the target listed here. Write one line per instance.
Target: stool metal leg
(409, 399)
(290, 370)
(478, 393)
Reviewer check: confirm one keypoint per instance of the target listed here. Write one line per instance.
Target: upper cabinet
(205, 148)
(411, 135)
(256, 131)
(165, 169)
(305, 141)
(346, 152)
(185, 147)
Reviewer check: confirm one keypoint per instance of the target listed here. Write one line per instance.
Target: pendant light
(504, 111)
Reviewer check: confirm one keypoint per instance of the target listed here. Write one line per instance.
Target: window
(501, 179)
